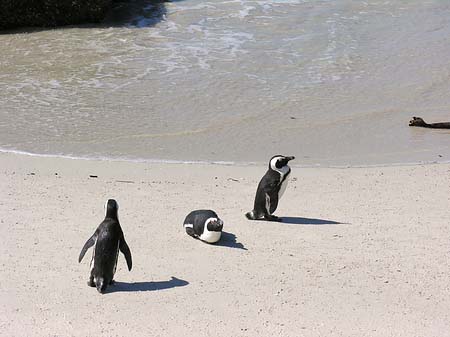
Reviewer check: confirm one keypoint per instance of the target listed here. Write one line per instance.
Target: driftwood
(417, 121)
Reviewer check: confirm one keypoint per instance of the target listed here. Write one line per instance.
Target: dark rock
(50, 13)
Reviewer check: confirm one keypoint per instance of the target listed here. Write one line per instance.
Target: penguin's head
(112, 209)
(214, 225)
(279, 161)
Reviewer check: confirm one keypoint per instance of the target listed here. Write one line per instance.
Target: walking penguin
(270, 189)
(107, 240)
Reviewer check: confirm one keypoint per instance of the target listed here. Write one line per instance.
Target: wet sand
(362, 251)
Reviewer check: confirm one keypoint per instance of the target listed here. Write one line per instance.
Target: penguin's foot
(101, 286)
(250, 215)
(91, 283)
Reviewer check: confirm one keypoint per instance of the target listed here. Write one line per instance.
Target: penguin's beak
(290, 158)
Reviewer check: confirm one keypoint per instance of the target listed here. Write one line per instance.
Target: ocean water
(333, 82)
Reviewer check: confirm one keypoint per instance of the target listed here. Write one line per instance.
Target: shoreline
(211, 162)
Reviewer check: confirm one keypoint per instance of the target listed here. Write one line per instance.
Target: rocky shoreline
(51, 13)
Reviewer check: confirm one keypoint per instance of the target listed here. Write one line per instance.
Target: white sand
(367, 252)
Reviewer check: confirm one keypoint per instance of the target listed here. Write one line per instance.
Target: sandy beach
(362, 251)
(178, 105)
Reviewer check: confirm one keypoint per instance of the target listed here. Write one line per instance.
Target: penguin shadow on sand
(146, 286)
(229, 240)
(307, 221)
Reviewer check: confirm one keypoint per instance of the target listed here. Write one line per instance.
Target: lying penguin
(107, 240)
(270, 189)
(204, 224)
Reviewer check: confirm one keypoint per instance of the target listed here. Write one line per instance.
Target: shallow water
(332, 82)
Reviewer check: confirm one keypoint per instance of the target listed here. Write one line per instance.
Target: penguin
(270, 189)
(107, 240)
(204, 224)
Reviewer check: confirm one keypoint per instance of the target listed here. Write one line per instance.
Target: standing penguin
(270, 189)
(204, 224)
(107, 240)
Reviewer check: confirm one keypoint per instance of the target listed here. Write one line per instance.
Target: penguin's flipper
(190, 231)
(126, 252)
(89, 243)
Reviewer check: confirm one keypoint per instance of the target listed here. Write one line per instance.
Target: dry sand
(365, 252)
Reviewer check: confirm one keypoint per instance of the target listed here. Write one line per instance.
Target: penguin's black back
(106, 248)
(270, 184)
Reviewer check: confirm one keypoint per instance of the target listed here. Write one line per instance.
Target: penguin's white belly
(210, 237)
(93, 256)
(282, 188)
(267, 203)
(117, 258)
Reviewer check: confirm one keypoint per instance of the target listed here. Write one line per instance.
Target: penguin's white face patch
(273, 162)
(207, 236)
(283, 170)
